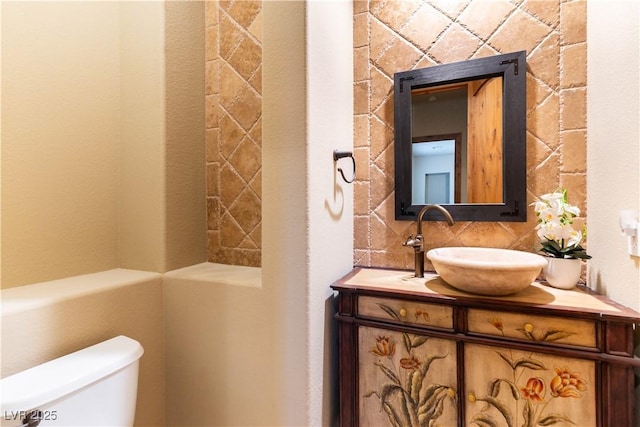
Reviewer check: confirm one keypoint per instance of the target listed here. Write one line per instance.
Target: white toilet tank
(95, 386)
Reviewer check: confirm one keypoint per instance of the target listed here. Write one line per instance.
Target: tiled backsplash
(394, 35)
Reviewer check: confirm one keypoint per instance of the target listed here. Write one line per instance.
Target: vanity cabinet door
(405, 379)
(521, 388)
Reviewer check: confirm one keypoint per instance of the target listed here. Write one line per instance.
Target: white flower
(549, 215)
(553, 196)
(555, 201)
(552, 231)
(574, 238)
(573, 210)
(555, 219)
(546, 232)
(539, 206)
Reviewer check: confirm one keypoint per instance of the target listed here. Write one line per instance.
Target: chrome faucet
(417, 243)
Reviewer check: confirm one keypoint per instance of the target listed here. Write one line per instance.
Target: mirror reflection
(471, 170)
(437, 167)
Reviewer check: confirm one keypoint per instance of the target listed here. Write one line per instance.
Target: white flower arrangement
(555, 226)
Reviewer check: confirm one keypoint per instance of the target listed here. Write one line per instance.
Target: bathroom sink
(486, 271)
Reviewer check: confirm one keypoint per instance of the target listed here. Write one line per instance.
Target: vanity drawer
(411, 312)
(528, 327)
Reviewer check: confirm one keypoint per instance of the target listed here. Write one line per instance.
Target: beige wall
(141, 144)
(102, 138)
(614, 146)
(103, 167)
(266, 342)
(388, 38)
(221, 348)
(60, 133)
(184, 120)
(614, 150)
(41, 322)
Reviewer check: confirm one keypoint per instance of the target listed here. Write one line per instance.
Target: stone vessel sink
(486, 271)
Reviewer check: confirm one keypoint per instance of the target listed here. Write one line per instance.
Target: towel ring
(337, 155)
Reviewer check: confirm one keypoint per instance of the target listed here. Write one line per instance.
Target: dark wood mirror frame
(512, 68)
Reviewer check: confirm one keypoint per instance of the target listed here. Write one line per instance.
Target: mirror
(460, 139)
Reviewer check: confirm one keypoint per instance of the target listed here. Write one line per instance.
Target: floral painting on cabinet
(528, 389)
(409, 380)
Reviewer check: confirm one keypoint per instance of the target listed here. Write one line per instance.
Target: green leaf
(409, 409)
(426, 364)
(370, 393)
(506, 359)
(406, 341)
(431, 394)
(554, 335)
(552, 247)
(536, 365)
(433, 407)
(500, 406)
(553, 419)
(389, 373)
(580, 252)
(527, 414)
(389, 390)
(409, 383)
(416, 385)
(527, 334)
(390, 311)
(418, 340)
(431, 412)
(394, 417)
(494, 388)
(484, 420)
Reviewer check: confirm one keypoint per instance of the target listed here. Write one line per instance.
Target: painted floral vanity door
(406, 379)
(507, 387)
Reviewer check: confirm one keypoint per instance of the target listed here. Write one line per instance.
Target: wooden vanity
(417, 352)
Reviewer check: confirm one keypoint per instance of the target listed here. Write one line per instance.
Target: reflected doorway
(436, 163)
(437, 188)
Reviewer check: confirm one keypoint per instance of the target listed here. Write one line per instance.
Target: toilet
(95, 386)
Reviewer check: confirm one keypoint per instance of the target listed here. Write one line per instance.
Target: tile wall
(234, 131)
(394, 35)
(389, 36)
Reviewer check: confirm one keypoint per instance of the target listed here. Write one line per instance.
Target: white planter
(562, 273)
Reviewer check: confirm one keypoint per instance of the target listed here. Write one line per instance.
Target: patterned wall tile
(389, 36)
(234, 132)
(411, 34)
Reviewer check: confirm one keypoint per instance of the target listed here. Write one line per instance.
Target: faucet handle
(413, 242)
(409, 241)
